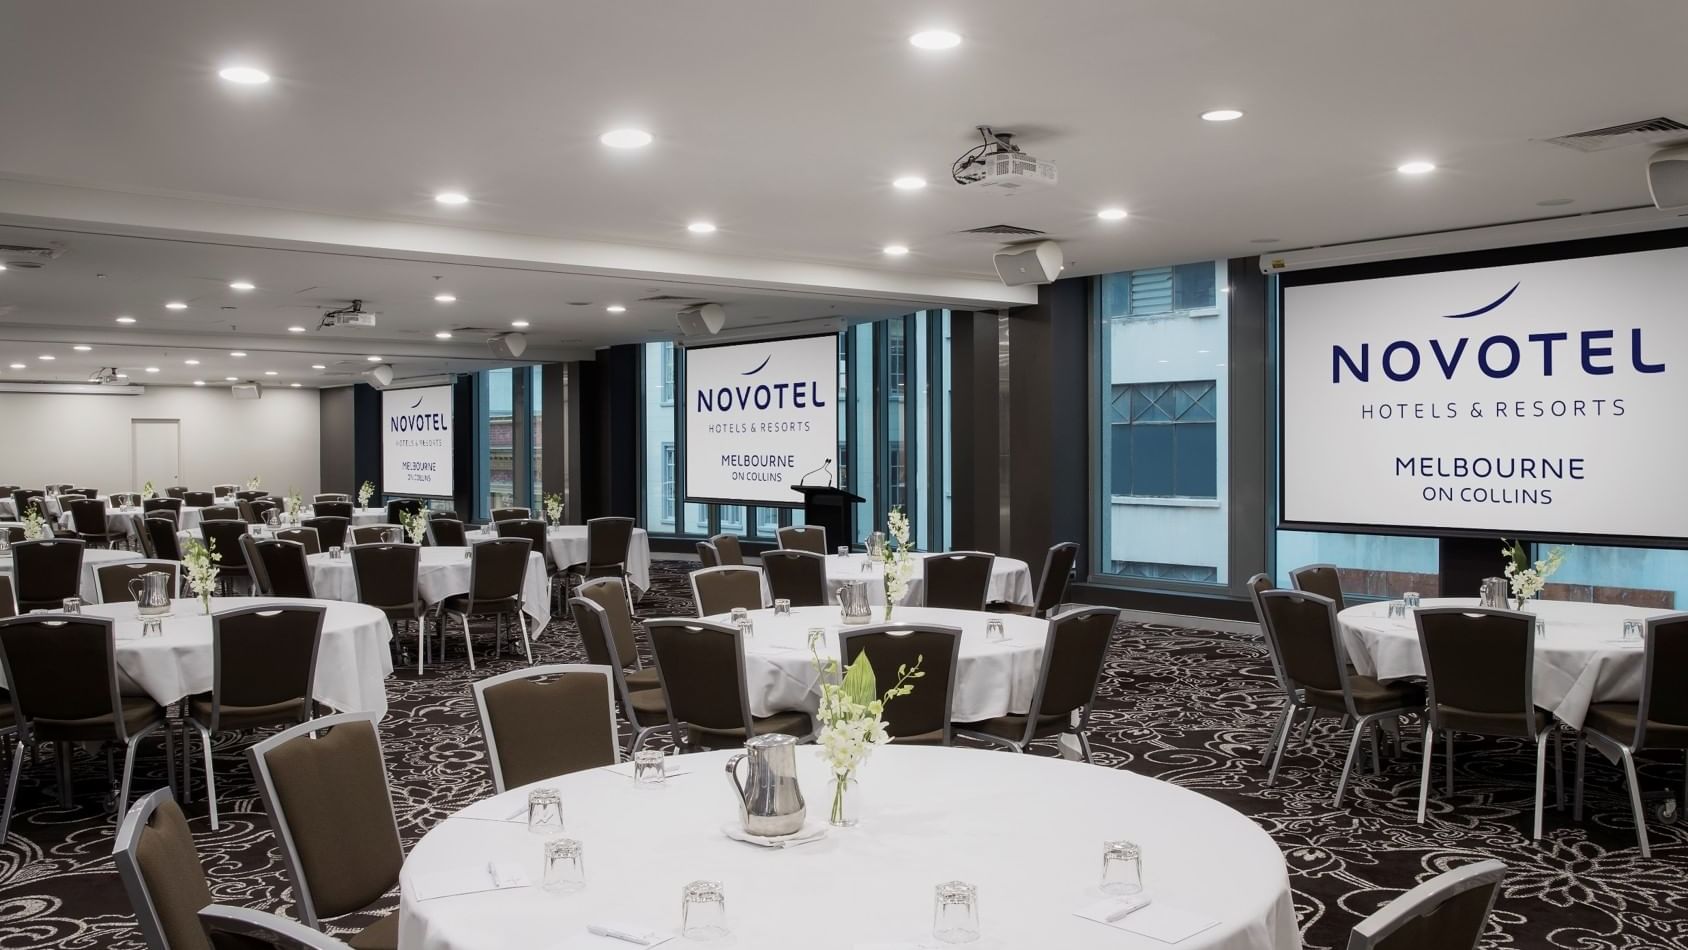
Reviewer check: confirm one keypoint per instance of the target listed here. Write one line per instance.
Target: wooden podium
(830, 508)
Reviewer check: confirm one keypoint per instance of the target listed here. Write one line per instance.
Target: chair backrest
(1057, 572)
(160, 870)
(220, 513)
(446, 513)
(1301, 632)
(1074, 651)
(160, 533)
(1447, 912)
(959, 580)
(46, 572)
(172, 505)
(498, 568)
(547, 721)
(707, 555)
(447, 533)
(1321, 579)
(727, 549)
(125, 499)
(607, 541)
(12, 533)
(892, 647)
(1663, 701)
(398, 506)
(797, 576)
(260, 507)
(177, 491)
(1480, 661)
(61, 668)
(265, 656)
(375, 533)
(717, 590)
(198, 499)
(88, 516)
(8, 603)
(250, 493)
(305, 536)
(113, 579)
(86, 492)
(610, 593)
(321, 497)
(285, 568)
(331, 529)
(701, 668)
(332, 509)
(529, 529)
(506, 514)
(223, 535)
(241, 928)
(1257, 585)
(386, 574)
(803, 537)
(224, 491)
(327, 799)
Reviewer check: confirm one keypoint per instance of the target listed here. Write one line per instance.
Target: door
(158, 453)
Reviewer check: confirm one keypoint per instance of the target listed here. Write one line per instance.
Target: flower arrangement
(850, 716)
(146, 490)
(295, 504)
(34, 526)
(200, 564)
(898, 558)
(1526, 578)
(415, 524)
(366, 491)
(554, 508)
(254, 483)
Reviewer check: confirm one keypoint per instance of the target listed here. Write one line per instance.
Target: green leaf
(859, 683)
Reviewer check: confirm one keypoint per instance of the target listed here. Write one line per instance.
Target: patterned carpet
(1188, 706)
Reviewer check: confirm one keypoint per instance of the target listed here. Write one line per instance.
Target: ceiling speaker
(703, 319)
(1667, 178)
(508, 346)
(1039, 262)
(380, 376)
(246, 391)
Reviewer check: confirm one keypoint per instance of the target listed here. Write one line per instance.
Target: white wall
(85, 439)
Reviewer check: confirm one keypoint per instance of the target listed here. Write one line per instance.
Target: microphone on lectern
(824, 466)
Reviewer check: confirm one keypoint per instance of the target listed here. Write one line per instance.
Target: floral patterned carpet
(1188, 706)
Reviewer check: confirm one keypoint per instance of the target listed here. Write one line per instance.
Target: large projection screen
(416, 443)
(758, 418)
(1540, 399)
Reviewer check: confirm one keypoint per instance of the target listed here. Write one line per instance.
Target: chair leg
(1376, 759)
(11, 790)
(210, 776)
(1635, 801)
(1278, 757)
(527, 645)
(421, 643)
(1541, 778)
(1559, 768)
(170, 754)
(1278, 727)
(1424, 774)
(1307, 727)
(1582, 751)
(1348, 763)
(467, 643)
(187, 761)
(1448, 740)
(1084, 746)
(61, 752)
(129, 749)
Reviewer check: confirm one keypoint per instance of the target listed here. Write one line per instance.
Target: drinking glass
(1410, 600)
(1122, 868)
(1541, 629)
(73, 605)
(782, 607)
(703, 911)
(335, 552)
(545, 812)
(1632, 628)
(746, 628)
(1397, 609)
(843, 550)
(955, 912)
(994, 632)
(740, 615)
(565, 868)
(650, 769)
(152, 627)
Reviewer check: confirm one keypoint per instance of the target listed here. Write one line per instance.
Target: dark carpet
(1191, 707)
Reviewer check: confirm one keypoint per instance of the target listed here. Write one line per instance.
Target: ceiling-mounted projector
(1039, 262)
(704, 318)
(353, 316)
(1000, 164)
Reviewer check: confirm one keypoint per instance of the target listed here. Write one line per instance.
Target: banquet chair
(22, 497)
(46, 572)
(640, 694)
(126, 500)
(610, 593)
(497, 573)
(321, 497)
(547, 721)
(1051, 584)
(1321, 579)
(1257, 585)
(1448, 912)
(533, 532)
(331, 529)
(701, 668)
(507, 514)
(152, 506)
(12, 534)
(198, 499)
(377, 533)
(797, 576)
(176, 491)
(959, 580)
(386, 577)
(220, 513)
(86, 492)
(1301, 629)
(333, 509)
(306, 536)
(1658, 720)
(241, 928)
(249, 494)
(281, 567)
(728, 548)
(398, 506)
(159, 537)
(112, 580)
(707, 555)
(263, 662)
(8, 604)
(447, 533)
(62, 670)
(324, 786)
(1478, 670)
(224, 491)
(162, 874)
(923, 716)
(1075, 648)
(803, 537)
(223, 536)
(252, 511)
(717, 590)
(607, 542)
(446, 513)
(88, 517)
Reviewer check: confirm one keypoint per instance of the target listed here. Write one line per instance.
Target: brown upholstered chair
(153, 506)
(497, 571)
(707, 555)
(388, 578)
(1659, 720)
(257, 510)
(803, 537)
(701, 667)
(125, 499)
(160, 535)
(1479, 665)
(23, 497)
(509, 514)
(199, 499)
(327, 799)
(8, 603)
(46, 572)
(1448, 912)
(959, 580)
(224, 491)
(717, 590)
(607, 541)
(280, 568)
(88, 517)
(220, 513)
(249, 494)
(1074, 651)
(333, 509)
(1257, 585)
(86, 492)
(728, 549)
(923, 716)
(113, 579)
(305, 536)
(1302, 631)
(331, 496)
(533, 531)
(331, 530)
(797, 576)
(12, 534)
(224, 536)
(642, 704)
(398, 506)
(161, 872)
(547, 721)
(447, 533)
(62, 670)
(611, 594)
(1321, 579)
(241, 928)
(1051, 584)
(176, 491)
(446, 513)
(377, 534)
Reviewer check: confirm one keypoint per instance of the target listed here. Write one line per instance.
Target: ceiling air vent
(1012, 230)
(659, 298)
(27, 257)
(1656, 131)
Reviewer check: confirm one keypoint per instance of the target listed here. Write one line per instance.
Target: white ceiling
(783, 123)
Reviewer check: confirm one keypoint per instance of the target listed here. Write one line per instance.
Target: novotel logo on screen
(418, 421)
(1592, 352)
(789, 394)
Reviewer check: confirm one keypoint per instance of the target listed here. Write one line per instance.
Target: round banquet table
(1583, 659)
(89, 589)
(567, 544)
(443, 571)
(352, 662)
(1026, 830)
(994, 679)
(1011, 579)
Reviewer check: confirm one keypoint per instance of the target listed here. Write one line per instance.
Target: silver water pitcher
(852, 602)
(770, 803)
(152, 594)
(1494, 593)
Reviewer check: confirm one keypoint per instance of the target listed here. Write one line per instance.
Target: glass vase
(846, 800)
(205, 602)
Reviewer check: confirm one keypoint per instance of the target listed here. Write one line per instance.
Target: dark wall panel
(366, 449)
(609, 433)
(974, 421)
(339, 440)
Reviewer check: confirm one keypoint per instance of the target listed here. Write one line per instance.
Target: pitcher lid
(770, 740)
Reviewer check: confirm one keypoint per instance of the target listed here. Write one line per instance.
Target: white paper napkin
(811, 831)
(646, 937)
(493, 876)
(669, 769)
(1158, 921)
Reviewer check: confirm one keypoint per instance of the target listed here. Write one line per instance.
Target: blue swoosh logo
(1481, 310)
(759, 368)
(418, 402)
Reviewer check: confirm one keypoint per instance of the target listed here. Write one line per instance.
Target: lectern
(830, 508)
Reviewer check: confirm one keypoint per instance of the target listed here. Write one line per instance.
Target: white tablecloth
(352, 662)
(443, 572)
(1026, 830)
(91, 559)
(994, 679)
(360, 516)
(568, 546)
(1011, 579)
(1583, 660)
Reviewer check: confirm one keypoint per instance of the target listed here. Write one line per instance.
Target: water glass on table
(73, 605)
(1409, 600)
(1632, 627)
(545, 812)
(565, 867)
(994, 631)
(650, 769)
(1122, 868)
(740, 615)
(782, 607)
(843, 550)
(955, 912)
(703, 911)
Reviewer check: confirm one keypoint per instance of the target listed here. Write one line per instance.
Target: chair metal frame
(682, 729)
(849, 634)
(123, 854)
(173, 568)
(618, 667)
(266, 929)
(1425, 899)
(1295, 580)
(1081, 728)
(819, 560)
(800, 533)
(761, 584)
(416, 588)
(990, 569)
(479, 688)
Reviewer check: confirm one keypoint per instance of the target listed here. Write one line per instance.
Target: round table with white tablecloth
(1582, 659)
(567, 544)
(994, 678)
(1027, 831)
(443, 571)
(1011, 579)
(89, 589)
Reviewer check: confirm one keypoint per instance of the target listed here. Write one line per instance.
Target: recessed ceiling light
(294, 385)
(190, 362)
(295, 329)
(909, 183)
(244, 75)
(616, 308)
(125, 320)
(626, 138)
(241, 285)
(152, 369)
(19, 366)
(896, 250)
(1222, 115)
(935, 39)
(452, 198)
(47, 357)
(271, 372)
(2, 266)
(373, 359)
(1112, 214)
(230, 379)
(519, 324)
(199, 382)
(122, 375)
(445, 298)
(1416, 168)
(701, 227)
(175, 305)
(81, 348)
(318, 366)
(236, 353)
(443, 335)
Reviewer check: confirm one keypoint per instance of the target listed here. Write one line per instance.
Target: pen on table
(1133, 907)
(611, 932)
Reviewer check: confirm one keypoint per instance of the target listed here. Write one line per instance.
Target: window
(667, 378)
(536, 415)
(1163, 440)
(501, 439)
(666, 516)
(1160, 292)
(1371, 565)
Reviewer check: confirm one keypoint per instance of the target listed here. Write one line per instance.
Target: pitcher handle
(134, 592)
(733, 778)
